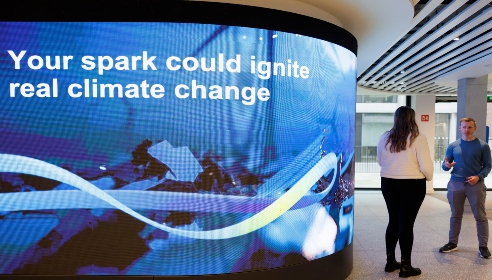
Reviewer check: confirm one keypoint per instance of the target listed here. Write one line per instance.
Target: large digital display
(158, 148)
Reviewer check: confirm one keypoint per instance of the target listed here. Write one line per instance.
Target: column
(472, 103)
(425, 115)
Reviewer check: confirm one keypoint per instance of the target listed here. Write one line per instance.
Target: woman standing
(403, 154)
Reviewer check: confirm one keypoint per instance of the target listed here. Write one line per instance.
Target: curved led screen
(158, 148)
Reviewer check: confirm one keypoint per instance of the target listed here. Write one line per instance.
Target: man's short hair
(468, 120)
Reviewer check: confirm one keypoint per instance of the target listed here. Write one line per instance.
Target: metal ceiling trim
(457, 61)
(464, 42)
(428, 8)
(427, 87)
(455, 5)
(391, 77)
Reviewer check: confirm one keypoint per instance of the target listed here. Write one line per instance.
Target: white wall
(449, 108)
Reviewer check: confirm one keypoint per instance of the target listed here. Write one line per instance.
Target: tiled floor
(431, 231)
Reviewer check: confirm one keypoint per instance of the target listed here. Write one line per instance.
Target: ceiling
(451, 41)
(407, 46)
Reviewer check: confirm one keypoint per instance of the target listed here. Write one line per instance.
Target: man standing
(471, 162)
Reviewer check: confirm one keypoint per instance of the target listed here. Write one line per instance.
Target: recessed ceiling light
(456, 39)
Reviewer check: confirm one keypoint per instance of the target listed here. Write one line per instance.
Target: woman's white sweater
(413, 163)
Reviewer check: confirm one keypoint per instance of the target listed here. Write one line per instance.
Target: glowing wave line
(26, 165)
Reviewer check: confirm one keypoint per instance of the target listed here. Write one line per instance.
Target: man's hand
(472, 180)
(448, 164)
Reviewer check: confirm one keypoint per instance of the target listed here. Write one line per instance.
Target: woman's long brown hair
(403, 126)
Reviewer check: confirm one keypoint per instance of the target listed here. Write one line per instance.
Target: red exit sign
(424, 118)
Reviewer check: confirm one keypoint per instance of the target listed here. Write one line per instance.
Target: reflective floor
(430, 232)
